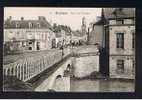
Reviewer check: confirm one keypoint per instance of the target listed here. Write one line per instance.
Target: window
(18, 34)
(23, 44)
(30, 25)
(119, 21)
(42, 36)
(46, 36)
(30, 42)
(120, 66)
(30, 48)
(17, 25)
(120, 40)
(133, 40)
(38, 25)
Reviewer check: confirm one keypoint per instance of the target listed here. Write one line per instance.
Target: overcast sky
(65, 16)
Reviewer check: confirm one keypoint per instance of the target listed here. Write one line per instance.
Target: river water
(94, 85)
(101, 85)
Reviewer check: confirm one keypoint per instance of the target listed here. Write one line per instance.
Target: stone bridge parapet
(26, 68)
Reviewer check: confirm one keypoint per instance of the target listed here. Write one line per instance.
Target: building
(26, 35)
(97, 34)
(120, 32)
(97, 37)
(62, 38)
(78, 38)
(84, 28)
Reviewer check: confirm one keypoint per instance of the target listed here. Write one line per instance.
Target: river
(101, 85)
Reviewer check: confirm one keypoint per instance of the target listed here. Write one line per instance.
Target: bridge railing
(26, 68)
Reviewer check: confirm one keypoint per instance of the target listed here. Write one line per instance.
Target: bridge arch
(58, 76)
(68, 67)
(58, 83)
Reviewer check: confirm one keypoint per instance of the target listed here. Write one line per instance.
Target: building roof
(119, 12)
(40, 23)
(59, 34)
(100, 22)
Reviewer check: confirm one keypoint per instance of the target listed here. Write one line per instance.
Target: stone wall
(86, 61)
(84, 66)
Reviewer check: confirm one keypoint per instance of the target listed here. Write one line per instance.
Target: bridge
(57, 68)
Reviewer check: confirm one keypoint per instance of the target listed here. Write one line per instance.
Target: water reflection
(101, 85)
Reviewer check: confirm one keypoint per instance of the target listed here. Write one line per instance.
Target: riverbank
(98, 75)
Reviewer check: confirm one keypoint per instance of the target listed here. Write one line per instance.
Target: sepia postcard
(63, 49)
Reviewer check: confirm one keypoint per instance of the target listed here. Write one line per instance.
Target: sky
(63, 16)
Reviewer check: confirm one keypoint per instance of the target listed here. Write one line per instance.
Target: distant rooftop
(115, 13)
(40, 23)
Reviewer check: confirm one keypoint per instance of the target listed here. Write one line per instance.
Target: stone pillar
(66, 81)
(5, 73)
(20, 71)
(17, 71)
(29, 70)
(23, 68)
(27, 64)
(14, 70)
(10, 71)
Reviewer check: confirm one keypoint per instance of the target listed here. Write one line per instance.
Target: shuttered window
(120, 66)
(120, 40)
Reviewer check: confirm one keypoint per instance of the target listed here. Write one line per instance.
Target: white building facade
(28, 35)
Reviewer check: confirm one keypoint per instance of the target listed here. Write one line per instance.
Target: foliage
(58, 28)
